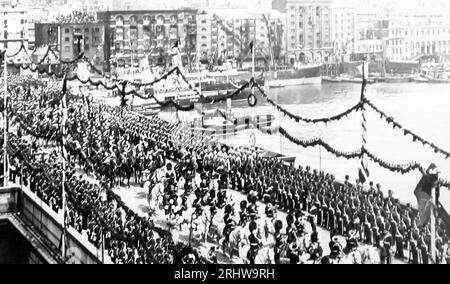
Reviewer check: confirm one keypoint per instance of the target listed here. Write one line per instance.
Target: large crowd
(117, 146)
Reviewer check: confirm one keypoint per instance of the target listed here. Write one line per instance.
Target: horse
(370, 255)
(237, 235)
(353, 257)
(265, 255)
(155, 195)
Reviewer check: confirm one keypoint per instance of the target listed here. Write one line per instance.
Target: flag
(424, 195)
(364, 70)
(363, 173)
(2, 57)
(251, 46)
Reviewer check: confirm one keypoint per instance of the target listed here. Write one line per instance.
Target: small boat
(276, 86)
(332, 80)
(420, 80)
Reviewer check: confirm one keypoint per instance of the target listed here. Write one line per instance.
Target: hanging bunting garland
(406, 132)
(319, 142)
(298, 119)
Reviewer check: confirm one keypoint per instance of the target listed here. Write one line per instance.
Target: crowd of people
(118, 146)
(91, 208)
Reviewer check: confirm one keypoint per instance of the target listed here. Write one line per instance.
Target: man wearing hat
(335, 255)
(255, 242)
(230, 224)
(314, 248)
(387, 249)
(278, 236)
(293, 252)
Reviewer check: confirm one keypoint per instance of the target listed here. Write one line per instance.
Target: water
(421, 108)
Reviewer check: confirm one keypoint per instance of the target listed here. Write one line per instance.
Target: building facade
(308, 26)
(13, 30)
(131, 36)
(72, 39)
(419, 31)
(226, 34)
(343, 29)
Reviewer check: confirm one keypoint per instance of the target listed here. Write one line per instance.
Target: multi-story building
(13, 30)
(419, 30)
(72, 39)
(131, 36)
(370, 33)
(226, 34)
(343, 30)
(309, 34)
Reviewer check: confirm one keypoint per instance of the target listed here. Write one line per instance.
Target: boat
(331, 79)
(398, 79)
(420, 80)
(303, 75)
(356, 80)
(277, 86)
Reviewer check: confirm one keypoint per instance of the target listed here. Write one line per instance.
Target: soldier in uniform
(255, 243)
(314, 248)
(243, 215)
(335, 255)
(230, 225)
(290, 229)
(278, 236)
(387, 250)
(221, 198)
(293, 253)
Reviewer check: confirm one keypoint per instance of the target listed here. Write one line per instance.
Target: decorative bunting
(406, 132)
(297, 118)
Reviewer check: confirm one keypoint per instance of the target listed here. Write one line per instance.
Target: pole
(199, 72)
(433, 227)
(64, 157)
(5, 122)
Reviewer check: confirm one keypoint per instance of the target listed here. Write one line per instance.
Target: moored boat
(293, 77)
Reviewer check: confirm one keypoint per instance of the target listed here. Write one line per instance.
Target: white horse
(370, 255)
(265, 255)
(155, 197)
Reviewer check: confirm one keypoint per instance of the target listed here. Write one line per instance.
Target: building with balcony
(131, 36)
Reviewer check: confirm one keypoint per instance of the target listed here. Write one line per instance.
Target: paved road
(136, 198)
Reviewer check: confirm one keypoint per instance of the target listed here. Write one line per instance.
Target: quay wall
(43, 220)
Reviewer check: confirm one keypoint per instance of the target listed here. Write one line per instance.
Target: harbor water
(422, 108)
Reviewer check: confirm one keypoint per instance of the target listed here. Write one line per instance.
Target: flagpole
(5, 122)
(363, 124)
(433, 226)
(64, 166)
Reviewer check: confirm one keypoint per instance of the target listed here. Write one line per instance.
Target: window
(86, 30)
(67, 39)
(67, 31)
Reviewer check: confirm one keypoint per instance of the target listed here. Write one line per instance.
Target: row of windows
(86, 30)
